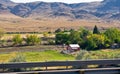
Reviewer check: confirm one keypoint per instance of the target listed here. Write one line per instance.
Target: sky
(65, 1)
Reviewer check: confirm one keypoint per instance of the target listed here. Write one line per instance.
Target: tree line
(17, 40)
(89, 40)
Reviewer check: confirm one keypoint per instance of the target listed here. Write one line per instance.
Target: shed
(73, 47)
(115, 46)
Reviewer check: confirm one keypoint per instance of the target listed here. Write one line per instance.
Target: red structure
(73, 47)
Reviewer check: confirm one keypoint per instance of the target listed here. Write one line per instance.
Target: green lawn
(47, 55)
(53, 55)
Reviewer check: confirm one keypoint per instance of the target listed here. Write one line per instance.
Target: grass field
(99, 54)
(48, 55)
(55, 55)
(35, 56)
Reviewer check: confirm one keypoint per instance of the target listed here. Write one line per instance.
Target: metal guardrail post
(66, 65)
(82, 72)
(46, 66)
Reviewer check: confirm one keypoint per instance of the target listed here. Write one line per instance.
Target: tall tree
(95, 30)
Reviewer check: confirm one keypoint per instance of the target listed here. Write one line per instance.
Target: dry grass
(12, 23)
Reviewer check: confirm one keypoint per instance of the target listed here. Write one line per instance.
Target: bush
(32, 40)
(51, 42)
(18, 58)
(2, 43)
(81, 54)
(17, 40)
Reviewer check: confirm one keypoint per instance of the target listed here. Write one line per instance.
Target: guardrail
(83, 65)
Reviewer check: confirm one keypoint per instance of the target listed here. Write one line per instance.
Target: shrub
(81, 54)
(17, 40)
(32, 40)
(2, 43)
(18, 58)
(51, 42)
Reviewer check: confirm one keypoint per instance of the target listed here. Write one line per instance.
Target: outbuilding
(73, 47)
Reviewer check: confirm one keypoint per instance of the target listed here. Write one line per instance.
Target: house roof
(74, 45)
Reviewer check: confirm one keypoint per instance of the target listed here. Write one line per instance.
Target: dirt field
(18, 24)
(30, 48)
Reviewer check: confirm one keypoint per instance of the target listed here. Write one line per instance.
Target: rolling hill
(44, 16)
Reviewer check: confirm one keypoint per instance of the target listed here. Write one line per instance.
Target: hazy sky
(65, 1)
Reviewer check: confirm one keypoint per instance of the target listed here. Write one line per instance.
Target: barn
(73, 47)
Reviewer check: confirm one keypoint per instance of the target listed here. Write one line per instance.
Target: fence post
(46, 66)
(66, 65)
(82, 72)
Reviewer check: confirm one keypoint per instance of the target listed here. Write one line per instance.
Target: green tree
(84, 33)
(95, 41)
(61, 38)
(71, 30)
(113, 34)
(75, 37)
(32, 40)
(95, 30)
(58, 30)
(17, 40)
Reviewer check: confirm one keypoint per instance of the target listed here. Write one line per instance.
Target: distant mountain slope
(110, 6)
(7, 2)
(107, 9)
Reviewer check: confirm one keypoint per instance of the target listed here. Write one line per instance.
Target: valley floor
(52, 53)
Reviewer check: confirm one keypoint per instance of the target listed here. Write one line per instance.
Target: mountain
(7, 2)
(107, 9)
(6, 6)
(44, 16)
(110, 6)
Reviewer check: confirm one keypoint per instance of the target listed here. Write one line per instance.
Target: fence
(70, 66)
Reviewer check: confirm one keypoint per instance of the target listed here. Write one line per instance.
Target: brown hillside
(12, 23)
